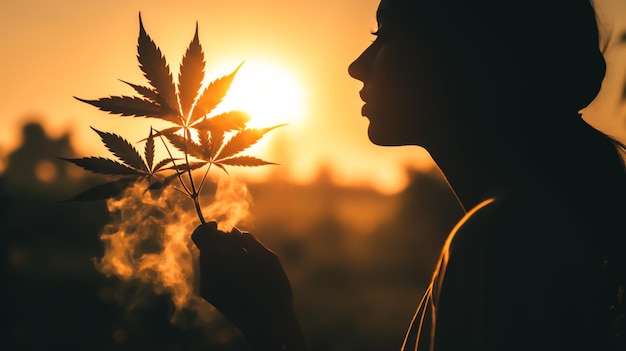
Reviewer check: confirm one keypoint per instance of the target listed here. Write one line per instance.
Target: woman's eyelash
(377, 34)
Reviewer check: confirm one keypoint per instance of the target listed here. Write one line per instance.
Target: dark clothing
(513, 275)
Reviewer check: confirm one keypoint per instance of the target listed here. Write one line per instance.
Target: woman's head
(437, 64)
(513, 73)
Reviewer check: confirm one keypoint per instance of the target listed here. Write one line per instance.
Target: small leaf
(216, 143)
(104, 191)
(228, 121)
(144, 91)
(133, 106)
(191, 74)
(212, 95)
(242, 140)
(165, 131)
(122, 149)
(149, 151)
(246, 161)
(221, 167)
(181, 168)
(103, 166)
(204, 141)
(155, 68)
(162, 183)
(158, 167)
(185, 145)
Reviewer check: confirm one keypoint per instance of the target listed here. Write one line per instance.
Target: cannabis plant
(196, 141)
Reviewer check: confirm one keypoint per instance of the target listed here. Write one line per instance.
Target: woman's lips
(367, 107)
(364, 110)
(362, 96)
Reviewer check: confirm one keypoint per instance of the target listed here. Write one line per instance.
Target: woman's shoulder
(519, 257)
(514, 228)
(518, 217)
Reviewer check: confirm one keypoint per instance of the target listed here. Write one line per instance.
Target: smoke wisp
(149, 237)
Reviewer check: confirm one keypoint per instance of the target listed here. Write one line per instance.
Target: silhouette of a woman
(492, 89)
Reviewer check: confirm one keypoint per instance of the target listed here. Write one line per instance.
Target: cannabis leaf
(133, 106)
(149, 150)
(247, 161)
(130, 165)
(210, 97)
(197, 137)
(123, 150)
(155, 69)
(145, 92)
(185, 144)
(191, 74)
(242, 140)
(102, 165)
(226, 122)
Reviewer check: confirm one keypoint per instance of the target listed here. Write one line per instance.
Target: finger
(229, 246)
(251, 244)
(236, 238)
(205, 235)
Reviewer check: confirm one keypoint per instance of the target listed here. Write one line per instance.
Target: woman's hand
(246, 282)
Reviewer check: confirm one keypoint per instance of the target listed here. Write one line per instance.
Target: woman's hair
(544, 60)
(542, 49)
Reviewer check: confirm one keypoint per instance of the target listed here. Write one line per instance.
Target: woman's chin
(382, 137)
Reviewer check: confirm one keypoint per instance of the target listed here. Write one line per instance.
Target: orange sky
(50, 51)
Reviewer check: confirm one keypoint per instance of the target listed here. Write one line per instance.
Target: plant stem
(198, 208)
(180, 179)
(173, 187)
(204, 177)
(194, 192)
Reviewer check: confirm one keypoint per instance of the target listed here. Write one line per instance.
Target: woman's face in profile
(401, 86)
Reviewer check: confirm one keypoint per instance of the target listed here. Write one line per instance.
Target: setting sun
(269, 93)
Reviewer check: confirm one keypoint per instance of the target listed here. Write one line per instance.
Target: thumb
(205, 234)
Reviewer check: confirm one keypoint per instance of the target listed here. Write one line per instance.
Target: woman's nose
(358, 68)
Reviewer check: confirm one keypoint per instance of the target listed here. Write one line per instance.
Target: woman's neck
(471, 184)
(477, 170)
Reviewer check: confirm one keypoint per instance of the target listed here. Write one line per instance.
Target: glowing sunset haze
(296, 56)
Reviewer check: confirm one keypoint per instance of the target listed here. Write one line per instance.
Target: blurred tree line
(358, 261)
